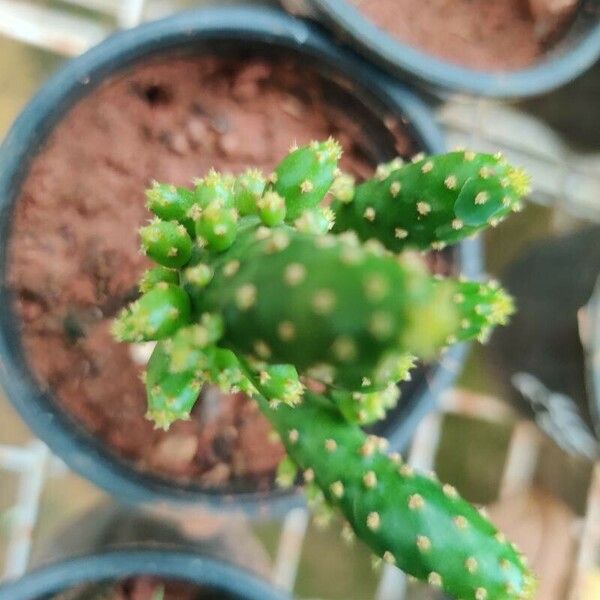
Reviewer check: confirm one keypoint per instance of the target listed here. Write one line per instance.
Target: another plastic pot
(261, 31)
(224, 581)
(578, 50)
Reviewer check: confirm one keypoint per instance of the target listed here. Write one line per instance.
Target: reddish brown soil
(493, 35)
(74, 245)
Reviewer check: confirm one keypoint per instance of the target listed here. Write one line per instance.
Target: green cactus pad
(158, 314)
(408, 519)
(305, 175)
(435, 201)
(171, 203)
(167, 243)
(156, 275)
(342, 313)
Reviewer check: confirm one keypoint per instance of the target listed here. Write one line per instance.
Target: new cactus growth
(253, 293)
(305, 175)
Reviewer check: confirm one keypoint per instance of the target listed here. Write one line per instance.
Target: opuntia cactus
(254, 294)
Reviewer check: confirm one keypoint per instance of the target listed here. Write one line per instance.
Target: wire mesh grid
(562, 179)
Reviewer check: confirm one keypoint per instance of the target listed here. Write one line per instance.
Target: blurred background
(517, 432)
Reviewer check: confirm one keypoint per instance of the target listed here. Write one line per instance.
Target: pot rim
(84, 453)
(578, 50)
(120, 564)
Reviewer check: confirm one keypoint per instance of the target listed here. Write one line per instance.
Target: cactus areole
(262, 287)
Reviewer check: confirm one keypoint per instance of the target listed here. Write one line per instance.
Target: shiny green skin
(156, 315)
(305, 175)
(436, 201)
(167, 243)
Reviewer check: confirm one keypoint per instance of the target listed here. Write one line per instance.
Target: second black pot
(221, 581)
(575, 52)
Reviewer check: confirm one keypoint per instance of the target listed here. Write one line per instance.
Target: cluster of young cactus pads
(316, 312)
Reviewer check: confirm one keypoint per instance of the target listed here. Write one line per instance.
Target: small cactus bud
(271, 209)
(287, 472)
(188, 343)
(483, 306)
(216, 189)
(366, 407)
(167, 242)
(171, 203)
(282, 382)
(171, 396)
(248, 190)
(156, 315)
(217, 226)
(343, 188)
(156, 275)
(305, 175)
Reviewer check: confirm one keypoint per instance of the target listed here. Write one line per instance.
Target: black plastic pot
(262, 31)
(574, 53)
(225, 581)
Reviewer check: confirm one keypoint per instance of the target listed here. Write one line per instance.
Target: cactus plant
(254, 293)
